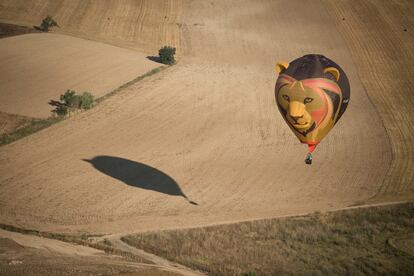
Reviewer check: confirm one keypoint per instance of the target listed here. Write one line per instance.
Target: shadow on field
(154, 58)
(137, 175)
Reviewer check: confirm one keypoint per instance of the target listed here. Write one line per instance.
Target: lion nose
(296, 110)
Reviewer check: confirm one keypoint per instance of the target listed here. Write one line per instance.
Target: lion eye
(286, 97)
(307, 100)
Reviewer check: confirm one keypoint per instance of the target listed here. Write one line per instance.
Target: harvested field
(382, 46)
(138, 24)
(207, 131)
(37, 68)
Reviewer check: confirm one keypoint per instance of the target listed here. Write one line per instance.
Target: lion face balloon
(312, 93)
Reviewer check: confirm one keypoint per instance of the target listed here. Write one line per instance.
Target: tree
(86, 100)
(70, 102)
(167, 55)
(47, 23)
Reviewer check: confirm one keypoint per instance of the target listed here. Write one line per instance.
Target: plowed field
(202, 142)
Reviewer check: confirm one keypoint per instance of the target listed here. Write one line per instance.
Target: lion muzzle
(296, 109)
(298, 114)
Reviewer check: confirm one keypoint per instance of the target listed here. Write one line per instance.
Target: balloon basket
(308, 159)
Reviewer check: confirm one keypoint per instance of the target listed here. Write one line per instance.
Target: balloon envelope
(312, 93)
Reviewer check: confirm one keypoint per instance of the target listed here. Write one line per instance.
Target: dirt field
(138, 24)
(28, 255)
(382, 48)
(36, 68)
(207, 131)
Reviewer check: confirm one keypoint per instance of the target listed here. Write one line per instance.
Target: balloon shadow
(137, 175)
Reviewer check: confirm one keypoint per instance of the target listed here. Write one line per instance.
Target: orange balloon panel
(312, 93)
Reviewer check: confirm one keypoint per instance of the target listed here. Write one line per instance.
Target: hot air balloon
(312, 93)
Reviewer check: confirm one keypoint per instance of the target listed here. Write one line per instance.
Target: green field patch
(352, 242)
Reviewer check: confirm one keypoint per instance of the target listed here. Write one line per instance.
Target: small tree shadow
(155, 59)
(137, 175)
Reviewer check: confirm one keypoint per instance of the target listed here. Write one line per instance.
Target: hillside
(207, 130)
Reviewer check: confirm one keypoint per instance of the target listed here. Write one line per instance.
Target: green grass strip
(125, 85)
(34, 126)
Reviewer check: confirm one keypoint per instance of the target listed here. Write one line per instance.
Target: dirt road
(207, 131)
(30, 255)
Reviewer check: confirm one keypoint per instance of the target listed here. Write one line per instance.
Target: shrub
(70, 99)
(167, 55)
(86, 100)
(60, 109)
(47, 23)
(70, 102)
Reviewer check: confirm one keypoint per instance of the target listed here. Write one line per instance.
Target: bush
(86, 100)
(47, 23)
(70, 102)
(70, 99)
(60, 109)
(167, 55)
